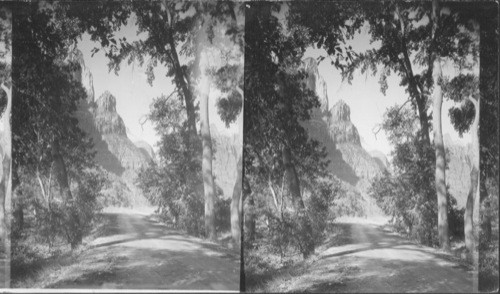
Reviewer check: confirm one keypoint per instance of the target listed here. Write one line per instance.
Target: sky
(133, 93)
(367, 102)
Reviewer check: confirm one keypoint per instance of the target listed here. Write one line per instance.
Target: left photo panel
(126, 144)
(5, 141)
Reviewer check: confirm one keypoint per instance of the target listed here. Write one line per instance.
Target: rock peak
(106, 118)
(315, 82)
(341, 111)
(83, 74)
(106, 102)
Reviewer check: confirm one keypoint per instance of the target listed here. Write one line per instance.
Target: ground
(135, 251)
(365, 257)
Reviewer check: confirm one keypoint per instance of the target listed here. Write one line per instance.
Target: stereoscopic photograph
(364, 169)
(249, 146)
(127, 145)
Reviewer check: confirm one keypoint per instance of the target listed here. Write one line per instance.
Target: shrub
(222, 213)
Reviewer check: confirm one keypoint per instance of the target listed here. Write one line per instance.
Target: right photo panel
(370, 147)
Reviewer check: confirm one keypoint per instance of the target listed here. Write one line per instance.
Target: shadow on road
(137, 252)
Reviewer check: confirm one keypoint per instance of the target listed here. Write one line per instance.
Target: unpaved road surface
(137, 252)
(370, 259)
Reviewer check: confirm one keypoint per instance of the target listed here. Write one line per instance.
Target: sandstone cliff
(115, 152)
(332, 127)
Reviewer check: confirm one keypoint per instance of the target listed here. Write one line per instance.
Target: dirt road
(137, 252)
(369, 259)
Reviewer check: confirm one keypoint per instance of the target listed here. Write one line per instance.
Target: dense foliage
(56, 184)
(406, 193)
(290, 192)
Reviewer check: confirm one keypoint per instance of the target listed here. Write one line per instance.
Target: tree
(464, 88)
(417, 36)
(437, 96)
(46, 138)
(278, 151)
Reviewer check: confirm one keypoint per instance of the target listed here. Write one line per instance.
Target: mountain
(115, 152)
(332, 127)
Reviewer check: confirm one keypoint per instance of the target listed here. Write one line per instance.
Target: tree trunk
(292, 180)
(437, 95)
(235, 206)
(474, 184)
(416, 93)
(208, 179)
(292, 188)
(74, 230)
(249, 219)
(202, 63)
(485, 213)
(186, 92)
(440, 159)
(6, 179)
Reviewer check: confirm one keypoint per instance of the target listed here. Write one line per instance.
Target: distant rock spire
(83, 75)
(107, 119)
(315, 81)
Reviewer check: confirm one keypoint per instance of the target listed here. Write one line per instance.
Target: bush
(222, 214)
(408, 193)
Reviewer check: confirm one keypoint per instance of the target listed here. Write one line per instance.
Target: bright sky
(367, 102)
(132, 91)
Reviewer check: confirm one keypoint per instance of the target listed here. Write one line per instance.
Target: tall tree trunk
(292, 180)
(208, 179)
(235, 205)
(442, 199)
(416, 92)
(292, 183)
(249, 219)
(74, 230)
(202, 63)
(186, 91)
(437, 95)
(292, 188)
(485, 212)
(474, 183)
(180, 80)
(6, 179)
